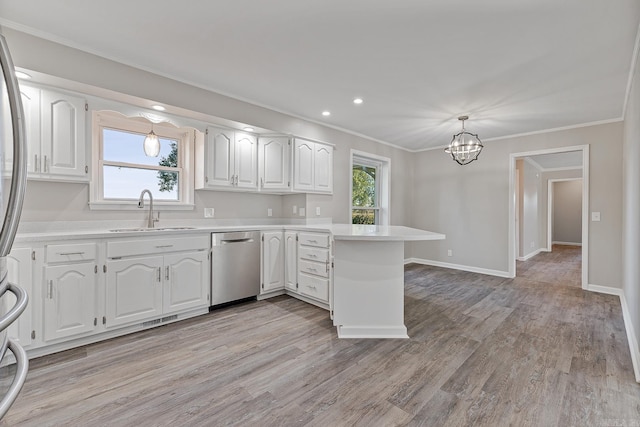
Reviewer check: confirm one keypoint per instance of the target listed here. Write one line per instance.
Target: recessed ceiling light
(22, 75)
(358, 101)
(326, 113)
(248, 129)
(158, 107)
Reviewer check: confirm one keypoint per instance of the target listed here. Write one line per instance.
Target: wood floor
(484, 351)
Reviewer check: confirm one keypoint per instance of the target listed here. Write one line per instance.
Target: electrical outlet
(533, 244)
(302, 211)
(295, 209)
(595, 216)
(317, 210)
(269, 212)
(449, 252)
(208, 212)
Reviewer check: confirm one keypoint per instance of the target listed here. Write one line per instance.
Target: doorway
(535, 177)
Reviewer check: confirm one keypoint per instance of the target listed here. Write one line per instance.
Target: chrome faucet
(151, 220)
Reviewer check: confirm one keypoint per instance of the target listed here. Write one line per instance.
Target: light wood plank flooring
(484, 351)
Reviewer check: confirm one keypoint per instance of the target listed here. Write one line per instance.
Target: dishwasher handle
(227, 241)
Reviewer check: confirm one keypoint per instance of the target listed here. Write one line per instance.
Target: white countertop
(381, 233)
(32, 232)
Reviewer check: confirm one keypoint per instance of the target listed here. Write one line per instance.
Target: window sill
(133, 205)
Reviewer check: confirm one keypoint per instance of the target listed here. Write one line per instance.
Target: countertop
(34, 232)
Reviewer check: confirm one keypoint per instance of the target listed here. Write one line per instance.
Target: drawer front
(73, 252)
(132, 247)
(314, 287)
(310, 267)
(313, 254)
(314, 239)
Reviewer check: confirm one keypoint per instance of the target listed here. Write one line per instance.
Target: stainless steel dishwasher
(235, 266)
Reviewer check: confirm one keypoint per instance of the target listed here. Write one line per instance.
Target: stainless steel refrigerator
(13, 184)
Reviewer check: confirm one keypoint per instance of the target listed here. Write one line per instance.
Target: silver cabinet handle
(45, 164)
(313, 256)
(164, 246)
(70, 253)
(261, 182)
(36, 168)
(159, 274)
(313, 241)
(167, 273)
(50, 290)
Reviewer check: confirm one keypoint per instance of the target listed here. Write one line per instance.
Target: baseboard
(566, 243)
(469, 268)
(529, 256)
(631, 337)
(609, 290)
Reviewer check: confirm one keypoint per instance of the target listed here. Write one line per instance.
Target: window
(121, 170)
(369, 189)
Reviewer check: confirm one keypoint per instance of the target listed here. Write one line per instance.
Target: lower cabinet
(272, 261)
(186, 281)
(69, 300)
(19, 271)
(134, 290)
(291, 260)
(314, 265)
(141, 287)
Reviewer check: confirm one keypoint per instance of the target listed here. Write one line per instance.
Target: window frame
(140, 125)
(382, 187)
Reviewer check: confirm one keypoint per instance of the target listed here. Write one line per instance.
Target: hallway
(562, 266)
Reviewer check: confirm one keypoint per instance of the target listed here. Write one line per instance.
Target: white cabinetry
(228, 160)
(55, 134)
(312, 166)
(291, 260)
(274, 154)
(314, 265)
(70, 283)
(148, 278)
(272, 261)
(19, 263)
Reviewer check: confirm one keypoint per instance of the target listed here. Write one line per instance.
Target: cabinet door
(323, 168)
(31, 107)
(186, 284)
(19, 273)
(272, 261)
(303, 177)
(220, 157)
(69, 300)
(63, 135)
(291, 260)
(274, 163)
(134, 290)
(246, 160)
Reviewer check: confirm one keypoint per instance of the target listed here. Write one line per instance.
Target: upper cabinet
(312, 167)
(274, 169)
(55, 133)
(227, 160)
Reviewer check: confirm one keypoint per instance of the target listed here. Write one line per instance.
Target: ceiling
(514, 67)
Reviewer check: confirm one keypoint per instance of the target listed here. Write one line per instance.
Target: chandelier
(465, 146)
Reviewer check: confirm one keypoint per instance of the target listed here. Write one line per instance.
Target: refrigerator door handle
(19, 170)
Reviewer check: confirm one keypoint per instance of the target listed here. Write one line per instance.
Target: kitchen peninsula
(368, 274)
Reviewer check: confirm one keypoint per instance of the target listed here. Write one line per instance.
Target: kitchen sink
(129, 230)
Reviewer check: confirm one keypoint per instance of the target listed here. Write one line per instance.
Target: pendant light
(465, 146)
(151, 144)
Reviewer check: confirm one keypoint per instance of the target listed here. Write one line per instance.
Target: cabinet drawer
(310, 267)
(314, 239)
(313, 254)
(71, 252)
(314, 287)
(132, 247)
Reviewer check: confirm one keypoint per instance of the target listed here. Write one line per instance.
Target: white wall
(631, 217)
(567, 212)
(530, 184)
(60, 201)
(470, 204)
